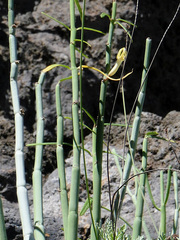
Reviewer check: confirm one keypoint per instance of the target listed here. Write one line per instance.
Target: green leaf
(116, 158)
(49, 143)
(125, 222)
(79, 40)
(122, 20)
(84, 55)
(50, 67)
(87, 151)
(154, 134)
(79, 8)
(151, 134)
(105, 15)
(41, 144)
(89, 115)
(86, 206)
(107, 209)
(116, 124)
(124, 29)
(64, 25)
(150, 194)
(91, 29)
(64, 79)
(69, 118)
(84, 125)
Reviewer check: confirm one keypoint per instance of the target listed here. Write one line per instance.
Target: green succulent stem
(98, 139)
(3, 234)
(135, 129)
(164, 199)
(22, 194)
(89, 199)
(137, 226)
(75, 177)
(176, 211)
(60, 160)
(162, 209)
(37, 173)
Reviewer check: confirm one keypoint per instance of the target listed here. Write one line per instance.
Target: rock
(51, 189)
(7, 173)
(155, 160)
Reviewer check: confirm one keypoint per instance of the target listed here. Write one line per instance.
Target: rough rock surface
(161, 154)
(41, 42)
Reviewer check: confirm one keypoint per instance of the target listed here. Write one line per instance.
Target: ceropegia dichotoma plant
(97, 135)
(37, 173)
(22, 194)
(69, 204)
(135, 131)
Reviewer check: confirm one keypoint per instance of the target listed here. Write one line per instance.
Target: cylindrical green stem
(136, 124)
(37, 173)
(150, 194)
(3, 235)
(19, 128)
(163, 208)
(98, 140)
(133, 196)
(137, 226)
(164, 199)
(97, 171)
(81, 112)
(60, 161)
(176, 212)
(75, 177)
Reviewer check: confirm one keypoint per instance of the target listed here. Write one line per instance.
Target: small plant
(107, 232)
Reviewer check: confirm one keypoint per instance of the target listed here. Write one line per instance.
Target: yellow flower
(121, 56)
